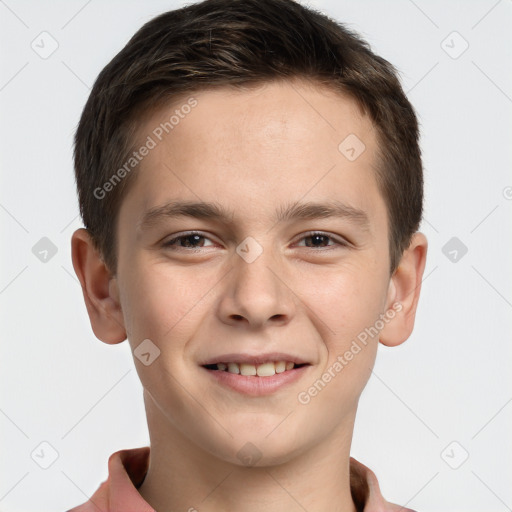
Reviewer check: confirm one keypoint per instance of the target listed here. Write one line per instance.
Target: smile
(256, 375)
(267, 369)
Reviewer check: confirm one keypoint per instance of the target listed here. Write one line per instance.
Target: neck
(184, 477)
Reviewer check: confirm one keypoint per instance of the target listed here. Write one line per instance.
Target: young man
(250, 180)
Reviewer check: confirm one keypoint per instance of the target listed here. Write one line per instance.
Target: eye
(196, 240)
(191, 240)
(318, 239)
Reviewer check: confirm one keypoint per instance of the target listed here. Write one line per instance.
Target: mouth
(266, 369)
(256, 375)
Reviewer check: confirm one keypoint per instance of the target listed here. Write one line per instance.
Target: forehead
(258, 149)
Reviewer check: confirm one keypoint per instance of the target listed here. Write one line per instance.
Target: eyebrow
(215, 211)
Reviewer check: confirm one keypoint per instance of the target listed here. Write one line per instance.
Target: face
(252, 242)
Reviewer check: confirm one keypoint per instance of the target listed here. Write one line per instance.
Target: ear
(100, 289)
(404, 292)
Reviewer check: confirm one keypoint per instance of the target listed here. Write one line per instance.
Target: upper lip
(254, 358)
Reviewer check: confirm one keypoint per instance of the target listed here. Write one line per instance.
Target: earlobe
(404, 292)
(99, 289)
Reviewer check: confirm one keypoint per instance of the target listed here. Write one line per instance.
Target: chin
(257, 447)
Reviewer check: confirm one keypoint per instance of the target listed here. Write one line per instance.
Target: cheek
(344, 302)
(347, 304)
(162, 305)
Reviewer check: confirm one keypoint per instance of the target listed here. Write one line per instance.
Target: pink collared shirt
(127, 469)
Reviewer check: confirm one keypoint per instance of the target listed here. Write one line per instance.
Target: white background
(451, 381)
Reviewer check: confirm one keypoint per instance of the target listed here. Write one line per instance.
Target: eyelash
(170, 243)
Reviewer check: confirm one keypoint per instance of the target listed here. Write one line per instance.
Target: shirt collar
(127, 470)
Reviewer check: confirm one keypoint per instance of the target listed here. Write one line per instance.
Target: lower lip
(257, 386)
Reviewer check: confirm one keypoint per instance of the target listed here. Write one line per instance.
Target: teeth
(232, 368)
(247, 369)
(266, 370)
(261, 370)
(280, 366)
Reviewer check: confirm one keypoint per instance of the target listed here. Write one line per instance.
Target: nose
(256, 294)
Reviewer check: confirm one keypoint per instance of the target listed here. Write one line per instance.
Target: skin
(252, 151)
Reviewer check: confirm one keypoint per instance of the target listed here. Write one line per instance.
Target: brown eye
(321, 240)
(187, 241)
(317, 240)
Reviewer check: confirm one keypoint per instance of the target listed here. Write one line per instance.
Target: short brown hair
(242, 43)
